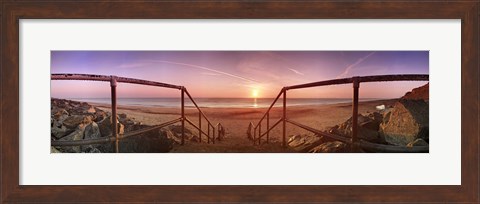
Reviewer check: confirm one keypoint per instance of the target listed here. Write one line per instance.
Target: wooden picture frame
(12, 11)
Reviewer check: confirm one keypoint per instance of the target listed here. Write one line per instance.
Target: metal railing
(353, 141)
(115, 137)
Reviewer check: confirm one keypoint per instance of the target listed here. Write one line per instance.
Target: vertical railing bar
(113, 85)
(183, 114)
(260, 134)
(200, 127)
(208, 130)
(254, 135)
(356, 86)
(284, 143)
(268, 126)
(213, 134)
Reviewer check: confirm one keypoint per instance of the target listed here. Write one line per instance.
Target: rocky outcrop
(71, 120)
(403, 124)
(406, 122)
(420, 93)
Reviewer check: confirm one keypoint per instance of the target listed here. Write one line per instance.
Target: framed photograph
(240, 102)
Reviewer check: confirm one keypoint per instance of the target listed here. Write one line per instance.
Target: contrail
(296, 71)
(208, 69)
(350, 67)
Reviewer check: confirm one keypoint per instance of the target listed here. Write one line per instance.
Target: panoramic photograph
(239, 101)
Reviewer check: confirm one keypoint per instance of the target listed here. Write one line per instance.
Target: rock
(407, 121)
(303, 143)
(330, 147)
(367, 127)
(59, 132)
(87, 119)
(294, 138)
(100, 115)
(73, 121)
(380, 107)
(59, 114)
(420, 93)
(92, 150)
(169, 134)
(76, 135)
(122, 115)
(417, 142)
(177, 130)
(91, 110)
(149, 142)
(54, 150)
(92, 131)
(105, 127)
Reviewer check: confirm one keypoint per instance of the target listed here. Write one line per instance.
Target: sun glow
(254, 93)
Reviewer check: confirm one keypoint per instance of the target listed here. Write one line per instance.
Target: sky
(236, 74)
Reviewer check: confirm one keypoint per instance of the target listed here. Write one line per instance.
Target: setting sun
(254, 93)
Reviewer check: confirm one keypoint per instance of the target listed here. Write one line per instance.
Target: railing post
(113, 86)
(208, 130)
(260, 134)
(254, 135)
(268, 126)
(284, 143)
(356, 86)
(199, 127)
(183, 114)
(213, 134)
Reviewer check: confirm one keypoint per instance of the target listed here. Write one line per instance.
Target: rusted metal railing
(353, 141)
(115, 137)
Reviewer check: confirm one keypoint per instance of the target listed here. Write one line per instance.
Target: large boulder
(73, 121)
(92, 131)
(304, 143)
(367, 127)
(330, 147)
(58, 131)
(78, 134)
(105, 127)
(406, 122)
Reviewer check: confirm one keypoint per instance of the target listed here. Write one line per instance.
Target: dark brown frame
(12, 11)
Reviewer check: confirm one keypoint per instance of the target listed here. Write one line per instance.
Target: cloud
(296, 71)
(211, 74)
(351, 66)
(208, 69)
(133, 65)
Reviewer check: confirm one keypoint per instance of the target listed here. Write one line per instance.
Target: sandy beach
(236, 121)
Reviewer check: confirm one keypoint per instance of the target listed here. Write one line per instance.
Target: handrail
(356, 85)
(115, 137)
(93, 77)
(200, 112)
(359, 79)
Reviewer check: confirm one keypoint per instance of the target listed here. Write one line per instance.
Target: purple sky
(236, 73)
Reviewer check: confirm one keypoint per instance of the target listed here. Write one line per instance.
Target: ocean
(220, 102)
